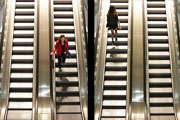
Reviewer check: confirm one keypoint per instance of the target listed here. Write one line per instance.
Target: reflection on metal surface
(44, 98)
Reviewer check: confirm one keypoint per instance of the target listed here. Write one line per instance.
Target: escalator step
(117, 51)
(67, 103)
(72, 56)
(20, 52)
(115, 68)
(117, 43)
(159, 66)
(65, 84)
(69, 38)
(116, 59)
(62, 1)
(114, 87)
(160, 75)
(160, 85)
(158, 41)
(20, 99)
(20, 89)
(158, 49)
(23, 43)
(24, 0)
(119, 78)
(113, 107)
(14, 109)
(111, 117)
(66, 74)
(161, 104)
(160, 95)
(68, 65)
(162, 114)
(73, 93)
(24, 61)
(21, 80)
(68, 113)
(21, 70)
(157, 57)
(114, 97)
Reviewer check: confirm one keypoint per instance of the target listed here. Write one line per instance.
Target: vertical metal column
(137, 111)
(44, 98)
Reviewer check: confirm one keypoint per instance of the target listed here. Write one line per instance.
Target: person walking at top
(61, 49)
(112, 22)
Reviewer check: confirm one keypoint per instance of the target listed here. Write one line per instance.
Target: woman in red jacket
(61, 49)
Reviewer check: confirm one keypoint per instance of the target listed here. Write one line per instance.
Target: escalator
(67, 84)
(160, 77)
(115, 77)
(20, 102)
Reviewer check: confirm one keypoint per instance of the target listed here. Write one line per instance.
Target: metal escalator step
(157, 41)
(157, 57)
(64, 14)
(62, 1)
(23, 43)
(161, 104)
(24, 0)
(119, 35)
(113, 107)
(66, 74)
(160, 85)
(24, 109)
(22, 70)
(20, 99)
(64, 30)
(68, 65)
(114, 97)
(159, 66)
(72, 93)
(25, 5)
(158, 48)
(24, 61)
(19, 115)
(116, 59)
(63, 7)
(24, 90)
(161, 95)
(70, 83)
(160, 75)
(64, 21)
(114, 87)
(68, 113)
(67, 103)
(119, 78)
(111, 117)
(117, 43)
(120, 5)
(117, 1)
(117, 51)
(21, 52)
(21, 80)
(162, 114)
(72, 56)
(156, 11)
(115, 68)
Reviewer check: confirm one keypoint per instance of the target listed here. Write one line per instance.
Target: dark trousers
(61, 59)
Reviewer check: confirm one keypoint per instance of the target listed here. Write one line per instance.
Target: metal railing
(100, 56)
(174, 54)
(81, 56)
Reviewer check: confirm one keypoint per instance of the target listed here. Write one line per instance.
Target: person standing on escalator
(61, 49)
(112, 22)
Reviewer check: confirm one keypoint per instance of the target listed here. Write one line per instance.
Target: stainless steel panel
(44, 101)
(138, 106)
(69, 117)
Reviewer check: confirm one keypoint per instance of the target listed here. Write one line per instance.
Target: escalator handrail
(174, 53)
(146, 61)
(52, 59)
(35, 63)
(129, 58)
(6, 58)
(97, 31)
(100, 57)
(81, 56)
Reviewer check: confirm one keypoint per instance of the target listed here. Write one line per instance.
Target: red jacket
(58, 47)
